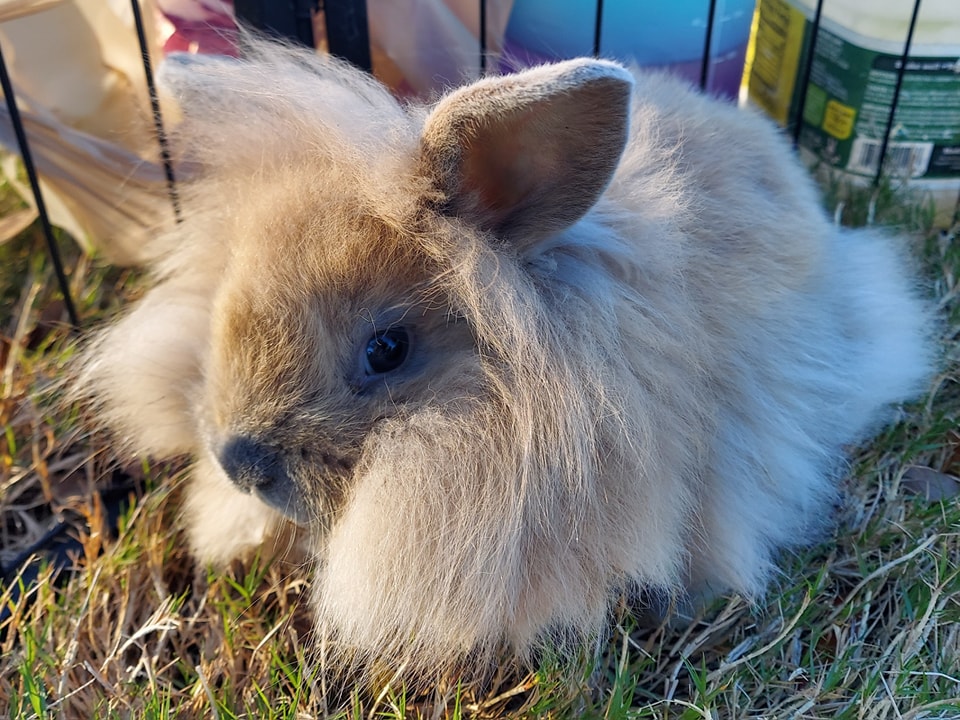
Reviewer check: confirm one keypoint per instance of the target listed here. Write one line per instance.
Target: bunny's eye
(386, 351)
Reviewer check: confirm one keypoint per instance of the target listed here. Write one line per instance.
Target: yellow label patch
(838, 120)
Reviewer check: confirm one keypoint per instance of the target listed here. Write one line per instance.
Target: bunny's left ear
(527, 155)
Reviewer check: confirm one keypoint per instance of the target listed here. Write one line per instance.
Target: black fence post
(348, 34)
(34, 181)
(896, 92)
(155, 109)
(291, 19)
(807, 68)
(707, 42)
(483, 37)
(597, 28)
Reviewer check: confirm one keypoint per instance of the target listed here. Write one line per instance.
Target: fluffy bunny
(560, 334)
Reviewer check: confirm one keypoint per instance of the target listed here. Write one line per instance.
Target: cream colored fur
(637, 346)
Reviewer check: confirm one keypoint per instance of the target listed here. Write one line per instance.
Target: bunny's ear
(527, 155)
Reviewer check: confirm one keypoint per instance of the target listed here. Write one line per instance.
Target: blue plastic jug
(668, 35)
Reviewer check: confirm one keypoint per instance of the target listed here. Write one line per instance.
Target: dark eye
(386, 351)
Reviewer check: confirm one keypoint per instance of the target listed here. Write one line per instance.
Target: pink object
(198, 26)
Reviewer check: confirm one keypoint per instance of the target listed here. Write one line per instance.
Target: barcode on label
(903, 159)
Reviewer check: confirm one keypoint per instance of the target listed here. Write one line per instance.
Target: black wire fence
(348, 36)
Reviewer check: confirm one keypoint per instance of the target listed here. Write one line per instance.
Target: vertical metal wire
(483, 37)
(31, 171)
(896, 91)
(596, 29)
(707, 42)
(807, 69)
(155, 108)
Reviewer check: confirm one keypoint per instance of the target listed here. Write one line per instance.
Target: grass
(121, 623)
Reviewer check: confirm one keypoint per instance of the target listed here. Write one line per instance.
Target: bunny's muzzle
(302, 482)
(257, 468)
(251, 464)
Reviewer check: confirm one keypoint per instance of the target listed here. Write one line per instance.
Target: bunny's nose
(250, 464)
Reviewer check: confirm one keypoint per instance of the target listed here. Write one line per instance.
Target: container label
(775, 57)
(848, 100)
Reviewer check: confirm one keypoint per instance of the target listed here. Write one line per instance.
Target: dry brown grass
(121, 623)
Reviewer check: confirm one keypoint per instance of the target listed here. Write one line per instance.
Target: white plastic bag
(79, 79)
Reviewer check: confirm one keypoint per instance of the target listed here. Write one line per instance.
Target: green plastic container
(847, 102)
